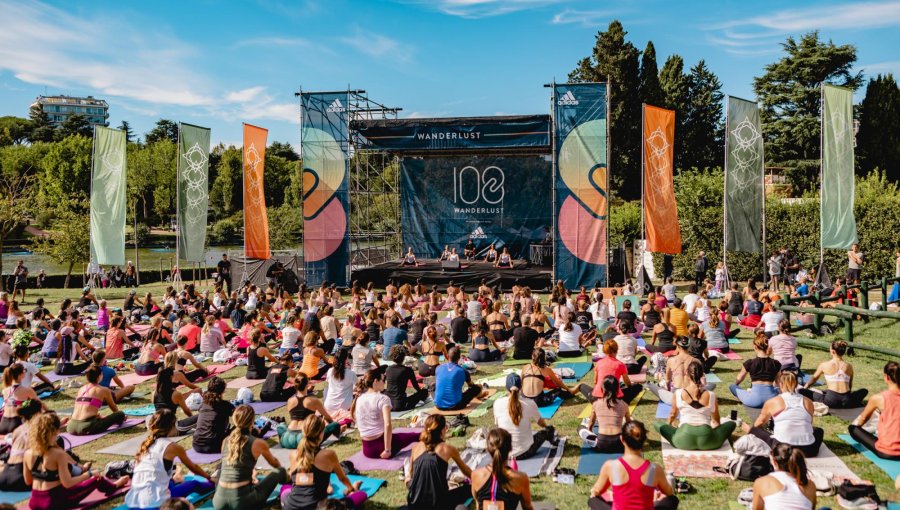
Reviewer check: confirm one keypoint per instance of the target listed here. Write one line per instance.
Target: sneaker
(589, 438)
(459, 420)
(857, 504)
(584, 423)
(682, 486)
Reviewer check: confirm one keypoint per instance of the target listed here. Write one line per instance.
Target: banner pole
(137, 272)
(821, 170)
(176, 270)
(763, 198)
(643, 178)
(554, 219)
(725, 204)
(243, 198)
(608, 170)
(90, 278)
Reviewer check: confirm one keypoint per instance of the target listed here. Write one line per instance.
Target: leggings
(544, 398)
(637, 366)
(836, 400)
(372, 448)
(628, 392)
(281, 395)
(484, 355)
(659, 348)
(667, 503)
(289, 439)
(467, 396)
(609, 444)
(868, 440)
(540, 436)
(61, 497)
(696, 437)
(194, 375)
(408, 402)
(149, 368)
(187, 487)
(353, 501)
(12, 479)
(809, 450)
(249, 496)
(9, 423)
(71, 368)
(426, 370)
(95, 424)
(570, 354)
(756, 396)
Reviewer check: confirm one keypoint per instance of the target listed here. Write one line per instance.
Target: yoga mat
(130, 447)
(580, 369)
(468, 409)
(827, 461)
(146, 410)
(266, 407)
(590, 461)
(547, 412)
(752, 413)
(586, 357)
(276, 493)
(544, 461)
(498, 380)
(730, 354)
(369, 485)
(93, 499)
(734, 341)
(54, 377)
(243, 382)
(663, 410)
(76, 441)
(713, 378)
(192, 497)
(206, 458)
(891, 467)
(695, 464)
(363, 463)
(640, 378)
(14, 497)
(129, 379)
(846, 414)
(487, 405)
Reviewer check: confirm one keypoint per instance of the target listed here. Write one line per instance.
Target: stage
(469, 275)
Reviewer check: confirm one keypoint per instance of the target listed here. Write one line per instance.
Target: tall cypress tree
(878, 139)
(703, 125)
(42, 129)
(674, 86)
(650, 91)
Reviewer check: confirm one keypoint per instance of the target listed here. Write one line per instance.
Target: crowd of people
(392, 352)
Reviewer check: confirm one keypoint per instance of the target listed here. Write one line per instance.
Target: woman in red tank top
(887, 444)
(634, 480)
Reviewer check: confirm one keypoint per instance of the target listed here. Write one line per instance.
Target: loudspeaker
(450, 265)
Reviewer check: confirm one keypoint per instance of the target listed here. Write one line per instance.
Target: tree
(703, 126)
(18, 167)
(66, 169)
(790, 94)
(282, 149)
(225, 194)
(276, 179)
(13, 130)
(674, 85)
(650, 90)
(126, 127)
(66, 242)
(75, 125)
(615, 59)
(42, 129)
(878, 139)
(165, 129)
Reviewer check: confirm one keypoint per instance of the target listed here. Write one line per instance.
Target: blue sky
(218, 64)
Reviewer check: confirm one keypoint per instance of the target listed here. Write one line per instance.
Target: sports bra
(91, 401)
(44, 475)
(12, 401)
(839, 376)
(299, 412)
(432, 353)
(481, 340)
(493, 491)
(531, 374)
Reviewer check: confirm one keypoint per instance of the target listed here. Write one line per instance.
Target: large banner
(326, 198)
(838, 222)
(193, 191)
(108, 195)
(457, 132)
(503, 201)
(582, 184)
(256, 221)
(743, 177)
(660, 210)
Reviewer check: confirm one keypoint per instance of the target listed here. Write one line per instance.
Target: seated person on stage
(497, 485)
(515, 414)
(793, 417)
(610, 365)
(697, 412)
(763, 372)
(572, 339)
(445, 255)
(86, 419)
(372, 414)
(839, 379)
(492, 254)
(609, 413)
(504, 260)
(482, 340)
(635, 481)
(301, 405)
(469, 250)
(427, 477)
(887, 444)
(453, 257)
(449, 381)
(789, 485)
(108, 376)
(538, 377)
(397, 378)
(525, 339)
(409, 259)
(627, 348)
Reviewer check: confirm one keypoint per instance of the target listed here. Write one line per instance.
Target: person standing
(224, 270)
(774, 266)
(854, 266)
(701, 266)
(20, 275)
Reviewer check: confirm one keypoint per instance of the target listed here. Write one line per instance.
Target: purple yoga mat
(265, 407)
(209, 458)
(76, 441)
(363, 463)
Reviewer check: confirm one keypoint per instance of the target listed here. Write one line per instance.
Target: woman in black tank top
(273, 389)
(427, 479)
(663, 339)
(497, 482)
(257, 354)
(166, 396)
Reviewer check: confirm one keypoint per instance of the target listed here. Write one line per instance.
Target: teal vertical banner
(582, 183)
(108, 196)
(837, 218)
(193, 191)
(743, 177)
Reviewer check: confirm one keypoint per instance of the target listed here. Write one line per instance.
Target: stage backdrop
(582, 183)
(488, 199)
(325, 150)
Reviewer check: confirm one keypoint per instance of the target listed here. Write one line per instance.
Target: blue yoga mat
(146, 410)
(580, 369)
(663, 410)
(549, 411)
(590, 461)
(14, 497)
(713, 378)
(734, 341)
(192, 497)
(641, 342)
(42, 395)
(369, 485)
(891, 467)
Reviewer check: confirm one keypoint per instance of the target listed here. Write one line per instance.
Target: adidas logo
(478, 233)
(567, 99)
(336, 107)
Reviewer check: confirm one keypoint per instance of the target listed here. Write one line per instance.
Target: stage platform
(470, 275)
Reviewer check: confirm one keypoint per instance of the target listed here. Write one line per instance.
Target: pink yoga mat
(92, 500)
(730, 355)
(135, 379)
(363, 463)
(640, 378)
(76, 441)
(243, 382)
(209, 458)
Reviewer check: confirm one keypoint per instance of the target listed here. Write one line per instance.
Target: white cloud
(584, 18)
(273, 41)
(378, 46)
(881, 68)
(474, 9)
(245, 95)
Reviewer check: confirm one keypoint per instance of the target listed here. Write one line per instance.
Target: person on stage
(504, 260)
(469, 251)
(453, 257)
(491, 254)
(409, 259)
(445, 255)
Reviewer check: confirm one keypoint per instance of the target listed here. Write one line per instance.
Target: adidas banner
(503, 201)
(325, 148)
(582, 184)
(457, 133)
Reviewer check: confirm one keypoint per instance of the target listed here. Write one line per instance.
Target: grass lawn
(708, 493)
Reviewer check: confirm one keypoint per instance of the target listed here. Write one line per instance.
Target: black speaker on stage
(450, 265)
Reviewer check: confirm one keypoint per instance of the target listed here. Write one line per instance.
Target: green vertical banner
(108, 196)
(838, 223)
(743, 177)
(193, 191)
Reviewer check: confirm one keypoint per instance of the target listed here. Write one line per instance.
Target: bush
(227, 230)
(285, 227)
(142, 234)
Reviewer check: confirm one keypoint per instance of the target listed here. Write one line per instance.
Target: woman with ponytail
(166, 396)
(887, 444)
(340, 381)
(609, 412)
(793, 417)
(538, 376)
(12, 478)
(236, 489)
(311, 470)
(839, 379)
(697, 412)
(634, 480)
(15, 394)
(372, 412)
(212, 420)
(789, 486)
(86, 419)
(515, 414)
(300, 406)
(427, 476)
(763, 371)
(154, 478)
(46, 470)
(497, 485)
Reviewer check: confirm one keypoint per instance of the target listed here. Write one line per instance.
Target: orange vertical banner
(256, 222)
(660, 210)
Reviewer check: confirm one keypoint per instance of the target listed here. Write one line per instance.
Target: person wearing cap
(515, 415)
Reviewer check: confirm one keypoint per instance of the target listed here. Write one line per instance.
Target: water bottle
(670, 477)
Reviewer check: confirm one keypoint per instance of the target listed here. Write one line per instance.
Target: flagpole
(821, 171)
(554, 220)
(763, 197)
(176, 275)
(90, 281)
(725, 203)
(244, 197)
(608, 167)
(643, 178)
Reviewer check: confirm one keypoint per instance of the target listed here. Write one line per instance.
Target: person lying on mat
(763, 372)
(572, 338)
(398, 377)
(235, 489)
(449, 379)
(610, 365)
(185, 357)
(698, 348)
(635, 481)
(838, 375)
(257, 354)
(155, 478)
(676, 374)
(697, 411)
(887, 443)
(713, 331)
(299, 406)
(515, 415)
(426, 479)
(165, 396)
(497, 485)
(792, 414)
(627, 348)
(789, 486)
(273, 389)
(432, 349)
(310, 473)
(541, 384)
(86, 419)
(609, 413)
(664, 333)
(15, 394)
(372, 413)
(482, 340)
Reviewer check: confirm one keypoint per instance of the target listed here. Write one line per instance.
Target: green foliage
(163, 161)
(66, 169)
(67, 242)
(142, 234)
(878, 140)
(703, 144)
(165, 129)
(277, 179)
(41, 128)
(624, 223)
(75, 125)
(129, 133)
(294, 192)
(282, 149)
(674, 85)
(13, 130)
(650, 91)
(225, 196)
(226, 231)
(285, 227)
(802, 175)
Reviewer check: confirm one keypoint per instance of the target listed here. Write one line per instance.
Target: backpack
(750, 460)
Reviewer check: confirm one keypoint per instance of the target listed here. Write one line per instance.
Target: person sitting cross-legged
(515, 414)
(449, 381)
(697, 411)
